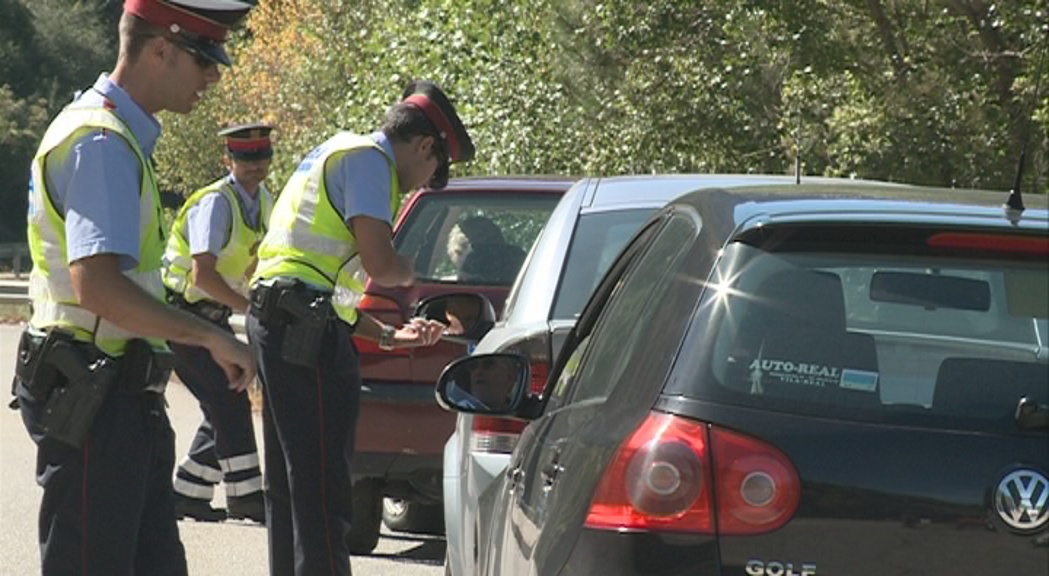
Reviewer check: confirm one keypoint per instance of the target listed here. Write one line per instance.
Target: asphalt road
(225, 549)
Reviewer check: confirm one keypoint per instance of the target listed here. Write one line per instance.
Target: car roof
(554, 184)
(847, 201)
(658, 189)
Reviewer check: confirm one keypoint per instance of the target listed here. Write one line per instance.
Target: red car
(471, 236)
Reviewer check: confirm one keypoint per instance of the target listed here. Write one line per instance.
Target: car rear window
(598, 239)
(916, 334)
(477, 238)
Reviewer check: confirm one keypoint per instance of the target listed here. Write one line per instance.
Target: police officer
(331, 224)
(210, 256)
(93, 363)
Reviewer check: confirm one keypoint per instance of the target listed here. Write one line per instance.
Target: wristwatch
(386, 338)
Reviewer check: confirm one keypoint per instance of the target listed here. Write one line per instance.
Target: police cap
(200, 26)
(248, 141)
(428, 97)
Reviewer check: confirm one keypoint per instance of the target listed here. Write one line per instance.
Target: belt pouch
(141, 367)
(264, 303)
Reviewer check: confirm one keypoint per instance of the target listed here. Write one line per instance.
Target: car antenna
(797, 152)
(1014, 206)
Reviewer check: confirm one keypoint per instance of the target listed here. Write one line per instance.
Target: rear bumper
(608, 553)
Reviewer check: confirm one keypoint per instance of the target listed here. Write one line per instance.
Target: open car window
(475, 238)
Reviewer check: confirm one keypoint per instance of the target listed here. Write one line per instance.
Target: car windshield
(598, 239)
(866, 335)
(476, 238)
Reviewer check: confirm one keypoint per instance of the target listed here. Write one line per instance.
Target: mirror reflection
(462, 314)
(467, 315)
(487, 383)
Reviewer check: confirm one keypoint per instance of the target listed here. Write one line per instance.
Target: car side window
(473, 238)
(599, 360)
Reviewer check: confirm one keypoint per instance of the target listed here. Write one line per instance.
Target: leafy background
(938, 92)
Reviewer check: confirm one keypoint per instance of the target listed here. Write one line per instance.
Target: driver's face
(491, 380)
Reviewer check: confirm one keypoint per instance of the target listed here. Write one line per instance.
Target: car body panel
(913, 498)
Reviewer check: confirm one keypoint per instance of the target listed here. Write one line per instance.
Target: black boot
(251, 507)
(200, 510)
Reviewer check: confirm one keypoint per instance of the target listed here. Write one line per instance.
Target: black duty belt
(206, 309)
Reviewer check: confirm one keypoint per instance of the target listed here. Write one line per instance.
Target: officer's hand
(236, 359)
(418, 332)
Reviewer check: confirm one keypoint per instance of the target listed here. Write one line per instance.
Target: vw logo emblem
(1022, 500)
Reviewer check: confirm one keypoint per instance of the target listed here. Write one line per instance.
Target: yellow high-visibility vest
(55, 304)
(236, 257)
(308, 239)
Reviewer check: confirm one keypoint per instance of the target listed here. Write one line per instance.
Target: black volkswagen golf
(823, 379)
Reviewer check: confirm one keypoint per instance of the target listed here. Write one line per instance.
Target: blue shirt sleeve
(208, 224)
(96, 185)
(359, 185)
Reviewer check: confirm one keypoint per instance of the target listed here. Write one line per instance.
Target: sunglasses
(202, 61)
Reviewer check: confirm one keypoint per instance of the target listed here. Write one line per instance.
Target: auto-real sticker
(811, 374)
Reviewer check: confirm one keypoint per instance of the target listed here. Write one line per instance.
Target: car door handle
(550, 473)
(514, 475)
(552, 470)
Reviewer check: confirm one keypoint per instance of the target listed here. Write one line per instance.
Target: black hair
(405, 121)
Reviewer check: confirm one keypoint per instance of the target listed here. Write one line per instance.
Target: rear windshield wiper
(1031, 415)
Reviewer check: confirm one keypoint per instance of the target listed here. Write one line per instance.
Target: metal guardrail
(18, 253)
(17, 291)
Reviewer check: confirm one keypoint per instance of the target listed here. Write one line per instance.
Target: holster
(39, 377)
(306, 312)
(73, 378)
(71, 382)
(71, 409)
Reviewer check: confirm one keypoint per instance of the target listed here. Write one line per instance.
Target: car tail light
(494, 435)
(387, 310)
(991, 242)
(540, 373)
(757, 487)
(679, 475)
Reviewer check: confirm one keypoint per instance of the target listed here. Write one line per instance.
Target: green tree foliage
(48, 50)
(923, 91)
(920, 91)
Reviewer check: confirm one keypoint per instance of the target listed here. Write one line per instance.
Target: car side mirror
(492, 384)
(468, 315)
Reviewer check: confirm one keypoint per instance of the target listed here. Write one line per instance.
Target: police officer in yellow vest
(210, 256)
(332, 223)
(92, 364)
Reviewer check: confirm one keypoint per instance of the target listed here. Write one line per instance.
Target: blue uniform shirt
(97, 184)
(209, 221)
(359, 183)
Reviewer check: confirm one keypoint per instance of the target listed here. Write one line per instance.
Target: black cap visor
(252, 155)
(206, 51)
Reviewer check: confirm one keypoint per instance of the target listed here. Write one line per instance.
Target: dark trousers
(224, 445)
(309, 422)
(108, 509)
